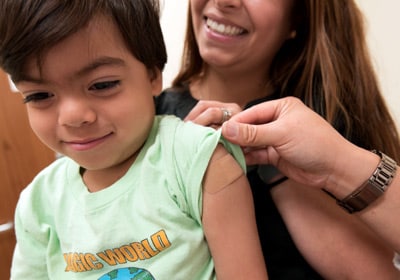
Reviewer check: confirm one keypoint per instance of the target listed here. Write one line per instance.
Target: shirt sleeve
(200, 143)
(29, 259)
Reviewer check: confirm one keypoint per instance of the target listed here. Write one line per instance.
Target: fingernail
(231, 129)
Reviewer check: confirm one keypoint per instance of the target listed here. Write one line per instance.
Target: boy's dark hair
(28, 28)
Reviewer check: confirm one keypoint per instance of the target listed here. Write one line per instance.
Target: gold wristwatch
(373, 188)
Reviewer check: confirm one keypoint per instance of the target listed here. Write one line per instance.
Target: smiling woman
(381, 20)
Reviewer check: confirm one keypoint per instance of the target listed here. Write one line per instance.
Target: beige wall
(173, 23)
(383, 22)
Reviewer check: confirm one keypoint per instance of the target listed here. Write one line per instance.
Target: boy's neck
(97, 180)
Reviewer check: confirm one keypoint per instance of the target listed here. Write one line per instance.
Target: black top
(281, 255)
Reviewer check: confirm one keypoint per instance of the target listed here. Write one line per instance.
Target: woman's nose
(228, 3)
(75, 113)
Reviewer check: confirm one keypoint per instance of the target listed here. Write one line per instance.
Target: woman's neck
(230, 88)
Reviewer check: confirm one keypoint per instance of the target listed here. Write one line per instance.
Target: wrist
(373, 188)
(351, 171)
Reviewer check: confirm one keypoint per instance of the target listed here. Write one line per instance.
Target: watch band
(373, 188)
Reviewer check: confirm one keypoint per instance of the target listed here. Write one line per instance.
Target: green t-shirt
(147, 225)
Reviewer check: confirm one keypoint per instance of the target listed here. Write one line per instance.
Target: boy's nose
(75, 113)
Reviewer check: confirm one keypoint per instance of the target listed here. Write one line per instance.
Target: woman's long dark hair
(328, 66)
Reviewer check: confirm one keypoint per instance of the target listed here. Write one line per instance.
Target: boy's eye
(36, 97)
(104, 85)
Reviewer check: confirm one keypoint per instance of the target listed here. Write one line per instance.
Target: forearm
(334, 242)
(353, 166)
(382, 215)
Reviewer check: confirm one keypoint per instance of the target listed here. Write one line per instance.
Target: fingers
(212, 113)
(267, 111)
(226, 115)
(265, 124)
(257, 156)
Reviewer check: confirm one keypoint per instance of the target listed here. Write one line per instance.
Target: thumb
(243, 134)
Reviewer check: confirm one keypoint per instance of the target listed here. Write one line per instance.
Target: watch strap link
(373, 188)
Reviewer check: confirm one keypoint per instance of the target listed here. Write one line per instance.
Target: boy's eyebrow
(93, 65)
(99, 62)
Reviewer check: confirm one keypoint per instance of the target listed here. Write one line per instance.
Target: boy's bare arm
(229, 220)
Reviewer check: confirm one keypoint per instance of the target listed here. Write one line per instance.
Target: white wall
(383, 22)
(382, 19)
(173, 23)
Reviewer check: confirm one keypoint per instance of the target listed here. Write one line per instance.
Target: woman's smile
(224, 29)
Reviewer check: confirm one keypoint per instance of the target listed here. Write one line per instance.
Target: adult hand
(292, 137)
(212, 113)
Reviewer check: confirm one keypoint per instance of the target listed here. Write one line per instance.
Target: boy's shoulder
(170, 124)
(60, 166)
(188, 136)
(49, 188)
(54, 177)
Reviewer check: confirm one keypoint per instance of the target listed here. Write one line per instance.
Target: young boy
(135, 196)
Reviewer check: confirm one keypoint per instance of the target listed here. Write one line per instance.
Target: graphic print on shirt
(129, 273)
(127, 253)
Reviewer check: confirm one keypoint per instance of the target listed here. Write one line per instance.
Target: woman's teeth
(224, 29)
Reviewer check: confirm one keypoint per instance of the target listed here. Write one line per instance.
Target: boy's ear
(156, 81)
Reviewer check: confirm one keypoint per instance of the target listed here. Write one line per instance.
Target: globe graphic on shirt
(128, 273)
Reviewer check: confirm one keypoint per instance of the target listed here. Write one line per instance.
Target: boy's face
(93, 101)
